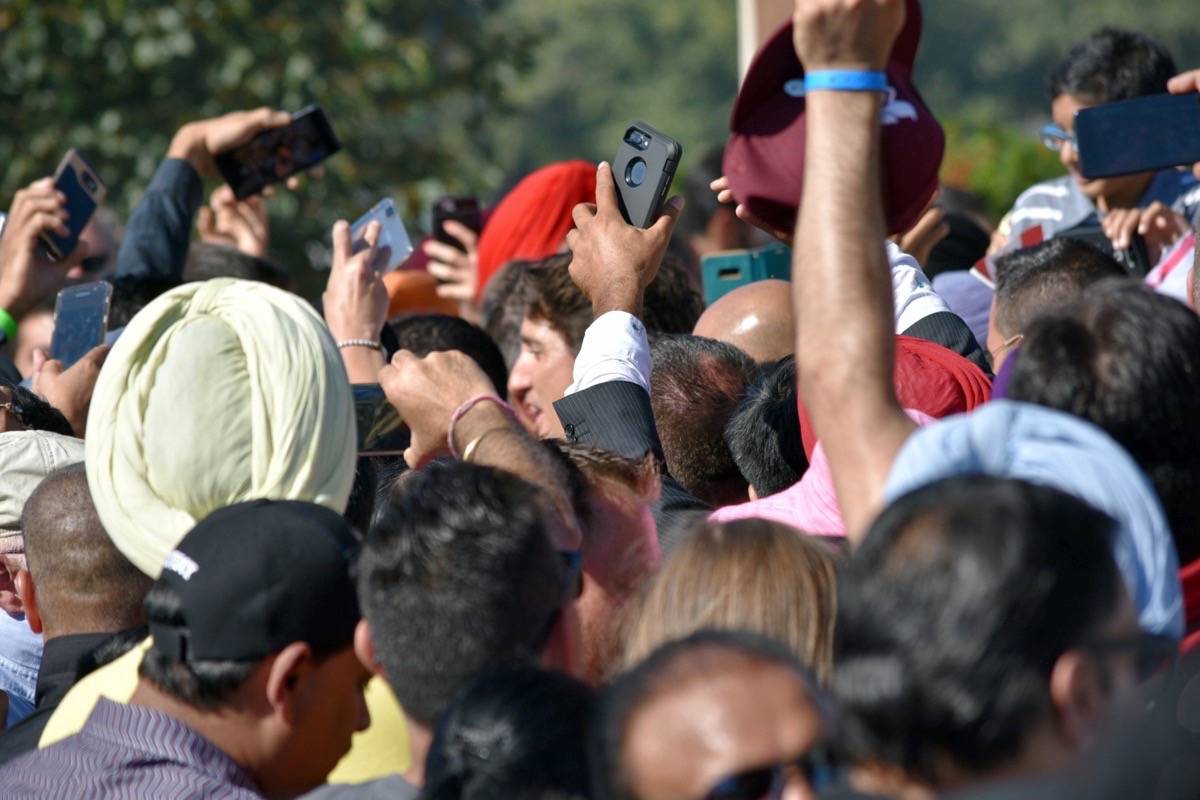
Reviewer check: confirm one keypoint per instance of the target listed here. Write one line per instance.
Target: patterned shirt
(128, 751)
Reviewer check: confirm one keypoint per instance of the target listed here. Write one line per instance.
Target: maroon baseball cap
(764, 159)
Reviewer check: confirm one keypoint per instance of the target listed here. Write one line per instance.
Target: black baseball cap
(255, 577)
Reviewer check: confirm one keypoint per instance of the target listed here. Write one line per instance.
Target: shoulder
(116, 681)
(1053, 193)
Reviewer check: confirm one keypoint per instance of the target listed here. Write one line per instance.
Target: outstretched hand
(846, 34)
(243, 225)
(612, 261)
(69, 390)
(725, 196)
(198, 142)
(27, 275)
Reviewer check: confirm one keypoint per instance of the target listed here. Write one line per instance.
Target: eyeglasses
(768, 783)
(1055, 137)
(1153, 653)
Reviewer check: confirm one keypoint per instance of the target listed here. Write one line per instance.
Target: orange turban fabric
(533, 219)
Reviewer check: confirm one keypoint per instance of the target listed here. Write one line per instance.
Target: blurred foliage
(407, 84)
(468, 95)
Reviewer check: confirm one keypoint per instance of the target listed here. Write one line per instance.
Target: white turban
(215, 393)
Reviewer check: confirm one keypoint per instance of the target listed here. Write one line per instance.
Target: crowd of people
(921, 521)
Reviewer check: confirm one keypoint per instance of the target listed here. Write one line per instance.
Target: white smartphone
(394, 246)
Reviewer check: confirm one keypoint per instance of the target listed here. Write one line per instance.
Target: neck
(230, 729)
(420, 737)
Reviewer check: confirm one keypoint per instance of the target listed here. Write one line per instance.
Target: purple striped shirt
(128, 751)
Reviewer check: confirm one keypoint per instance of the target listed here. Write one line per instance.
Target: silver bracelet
(371, 343)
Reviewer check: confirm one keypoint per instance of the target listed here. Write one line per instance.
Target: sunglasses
(1055, 137)
(768, 783)
(1153, 654)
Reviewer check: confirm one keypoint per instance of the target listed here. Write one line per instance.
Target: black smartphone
(84, 191)
(1135, 259)
(464, 210)
(643, 170)
(80, 321)
(381, 432)
(275, 155)
(1144, 134)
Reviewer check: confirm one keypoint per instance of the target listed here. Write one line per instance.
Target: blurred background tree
(468, 95)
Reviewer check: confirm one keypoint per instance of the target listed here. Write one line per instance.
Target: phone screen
(80, 321)
(380, 429)
(275, 155)
(1140, 135)
(82, 187)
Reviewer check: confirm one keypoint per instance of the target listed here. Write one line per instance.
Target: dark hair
(703, 653)
(206, 260)
(361, 505)
(132, 293)
(514, 733)
(1128, 360)
(557, 301)
(84, 583)
(701, 202)
(457, 576)
(1044, 278)
(695, 385)
(952, 614)
(422, 334)
(1112, 64)
(763, 435)
(206, 684)
(673, 303)
(35, 413)
(503, 306)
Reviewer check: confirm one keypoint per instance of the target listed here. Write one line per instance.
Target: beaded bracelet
(462, 410)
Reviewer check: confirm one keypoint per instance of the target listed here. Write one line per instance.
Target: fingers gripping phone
(463, 210)
(80, 321)
(1144, 134)
(643, 169)
(84, 190)
(393, 246)
(274, 156)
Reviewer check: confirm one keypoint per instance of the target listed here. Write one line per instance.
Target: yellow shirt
(380, 750)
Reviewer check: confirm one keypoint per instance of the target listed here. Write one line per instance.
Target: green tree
(408, 86)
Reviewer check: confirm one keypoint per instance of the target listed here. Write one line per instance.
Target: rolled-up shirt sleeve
(914, 295)
(615, 348)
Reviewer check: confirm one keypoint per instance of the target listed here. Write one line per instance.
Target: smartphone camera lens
(89, 182)
(635, 173)
(636, 138)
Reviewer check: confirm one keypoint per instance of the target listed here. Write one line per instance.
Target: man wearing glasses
(1160, 206)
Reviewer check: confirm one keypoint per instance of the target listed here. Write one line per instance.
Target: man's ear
(1079, 697)
(563, 651)
(290, 667)
(364, 648)
(10, 603)
(27, 592)
(752, 493)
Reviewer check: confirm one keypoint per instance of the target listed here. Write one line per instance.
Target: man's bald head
(83, 583)
(755, 318)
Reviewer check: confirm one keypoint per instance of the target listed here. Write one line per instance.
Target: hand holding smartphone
(274, 156)
(463, 210)
(643, 170)
(80, 321)
(84, 190)
(394, 245)
(380, 429)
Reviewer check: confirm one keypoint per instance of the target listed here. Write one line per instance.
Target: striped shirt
(128, 751)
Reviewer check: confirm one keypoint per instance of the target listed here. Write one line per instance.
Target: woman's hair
(752, 575)
(515, 733)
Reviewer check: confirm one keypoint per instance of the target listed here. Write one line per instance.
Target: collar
(159, 737)
(60, 661)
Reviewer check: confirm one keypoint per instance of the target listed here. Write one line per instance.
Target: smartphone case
(642, 203)
(463, 210)
(392, 235)
(1143, 134)
(308, 138)
(723, 272)
(82, 201)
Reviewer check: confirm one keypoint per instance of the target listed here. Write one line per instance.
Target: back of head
(422, 334)
(132, 293)
(673, 302)
(1112, 64)
(952, 615)
(515, 733)
(217, 392)
(1128, 360)
(458, 575)
(750, 575)
(755, 318)
(1045, 278)
(763, 435)
(675, 666)
(695, 385)
(84, 584)
(206, 261)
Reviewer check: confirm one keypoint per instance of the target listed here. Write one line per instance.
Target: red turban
(533, 219)
(928, 378)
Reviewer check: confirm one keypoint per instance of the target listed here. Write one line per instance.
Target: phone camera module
(635, 173)
(89, 182)
(636, 138)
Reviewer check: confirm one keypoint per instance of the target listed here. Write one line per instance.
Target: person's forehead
(746, 716)
(1064, 108)
(539, 331)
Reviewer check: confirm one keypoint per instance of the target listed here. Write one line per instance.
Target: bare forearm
(501, 442)
(843, 301)
(362, 364)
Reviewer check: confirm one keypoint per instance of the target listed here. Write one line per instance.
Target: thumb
(606, 190)
(40, 357)
(205, 222)
(670, 215)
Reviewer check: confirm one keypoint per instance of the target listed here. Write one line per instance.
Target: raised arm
(841, 279)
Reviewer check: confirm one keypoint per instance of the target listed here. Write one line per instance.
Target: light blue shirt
(1019, 440)
(20, 658)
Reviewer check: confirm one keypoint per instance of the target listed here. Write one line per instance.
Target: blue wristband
(845, 80)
